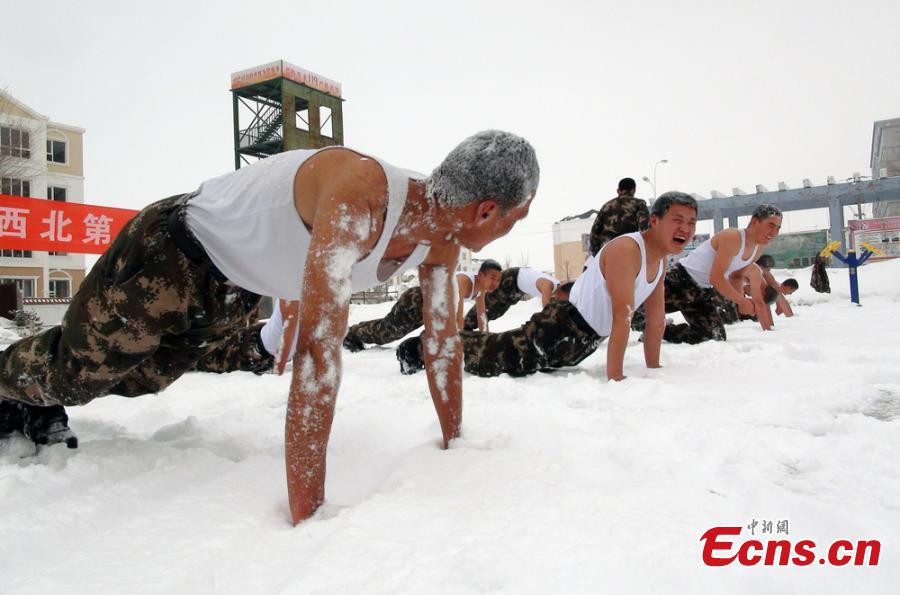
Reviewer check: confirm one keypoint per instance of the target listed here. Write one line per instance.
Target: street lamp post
(653, 183)
(649, 181)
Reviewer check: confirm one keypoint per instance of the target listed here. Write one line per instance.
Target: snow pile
(8, 332)
(561, 483)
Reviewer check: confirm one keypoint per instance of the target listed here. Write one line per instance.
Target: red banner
(54, 226)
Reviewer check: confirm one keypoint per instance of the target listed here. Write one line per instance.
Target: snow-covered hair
(491, 165)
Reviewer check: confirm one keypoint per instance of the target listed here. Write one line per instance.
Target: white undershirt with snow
(528, 278)
(590, 294)
(699, 262)
(247, 222)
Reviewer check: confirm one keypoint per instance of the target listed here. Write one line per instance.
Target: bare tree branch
(18, 150)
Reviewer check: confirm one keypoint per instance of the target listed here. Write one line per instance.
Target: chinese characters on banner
(884, 234)
(52, 226)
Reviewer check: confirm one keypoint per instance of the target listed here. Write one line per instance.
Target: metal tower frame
(285, 111)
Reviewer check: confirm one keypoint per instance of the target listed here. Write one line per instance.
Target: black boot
(409, 354)
(11, 419)
(353, 344)
(47, 425)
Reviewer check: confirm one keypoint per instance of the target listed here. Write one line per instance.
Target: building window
(15, 186)
(15, 143)
(56, 151)
(60, 288)
(586, 243)
(16, 253)
(26, 286)
(325, 124)
(805, 261)
(56, 193)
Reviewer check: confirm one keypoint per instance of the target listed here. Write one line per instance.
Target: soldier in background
(408, 313)
(623, 214)
(516, 284)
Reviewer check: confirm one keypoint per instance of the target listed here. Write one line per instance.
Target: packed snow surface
(560, 483)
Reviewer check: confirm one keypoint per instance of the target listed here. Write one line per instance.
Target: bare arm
(441, 345)
(782, 305)
(334, 248)
(763, 313)
(545, 286)
(727, 244)
(655, 312)
(621, 263)
(481, 312)
(464, 286)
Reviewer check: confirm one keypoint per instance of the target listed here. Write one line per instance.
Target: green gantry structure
(279, 107)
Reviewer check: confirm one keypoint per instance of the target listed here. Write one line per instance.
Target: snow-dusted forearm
(442, 347)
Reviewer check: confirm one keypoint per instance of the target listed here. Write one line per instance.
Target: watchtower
(279, 107)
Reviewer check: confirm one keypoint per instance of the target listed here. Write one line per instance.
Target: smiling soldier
(691, 285)
(626, 273)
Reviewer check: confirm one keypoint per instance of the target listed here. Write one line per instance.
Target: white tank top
(528, 278)
(591, 297)
(247, 223)
(271, 332)
(471, 296)
(699, 262)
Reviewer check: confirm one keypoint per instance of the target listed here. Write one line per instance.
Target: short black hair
(566, 287)
(770, 294)
(766, 261)
(764, 210)
(792, 283)
(665, 201)
(490, 265)
(627, 184)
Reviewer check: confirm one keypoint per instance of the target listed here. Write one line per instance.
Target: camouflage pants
(555, 337)
(243, 352)
(729, 310)
(144, 315)
(405, 316)
(700, 307)
(497, 302)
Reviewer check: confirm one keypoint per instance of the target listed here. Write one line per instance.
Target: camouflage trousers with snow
(405, 316)
(555, 337)
(153, 307)
(705, 310)
(702, 308)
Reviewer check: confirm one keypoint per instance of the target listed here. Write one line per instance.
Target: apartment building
(572, 245)
(40, 158)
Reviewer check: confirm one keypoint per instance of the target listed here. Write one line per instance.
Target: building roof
(585, 215)
(4, 96)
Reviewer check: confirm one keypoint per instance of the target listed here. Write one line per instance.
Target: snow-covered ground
(561, 483)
